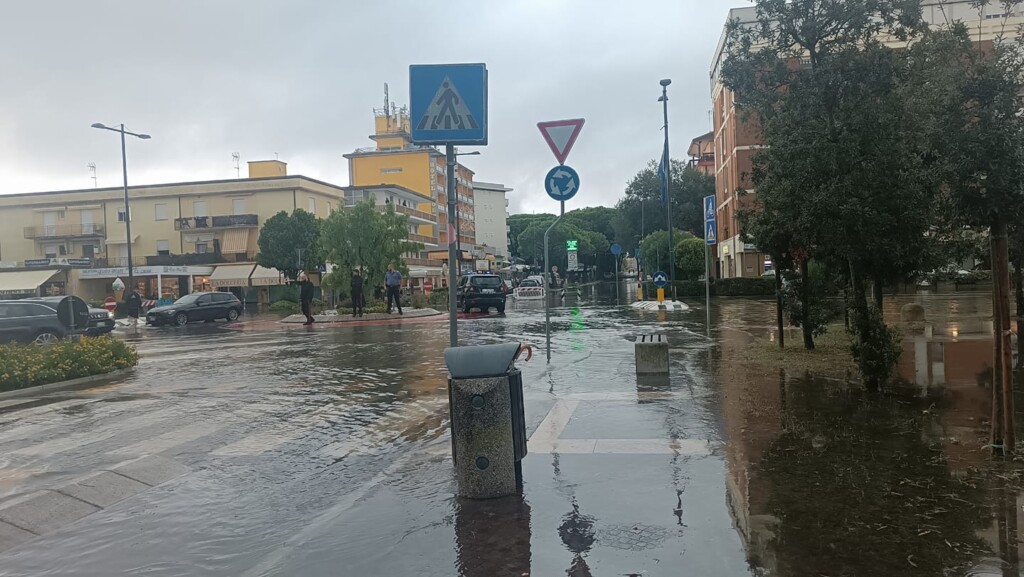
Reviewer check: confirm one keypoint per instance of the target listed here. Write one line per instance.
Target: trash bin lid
(480, 361)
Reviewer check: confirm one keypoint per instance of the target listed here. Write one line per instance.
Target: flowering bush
(30, 365)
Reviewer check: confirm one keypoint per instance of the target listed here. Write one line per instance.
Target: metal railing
(411, 212)
(223, 221)
(64, 230)
(422, 238)
(423, 262)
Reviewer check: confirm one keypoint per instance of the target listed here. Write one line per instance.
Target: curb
(344, 319)
(82, 382)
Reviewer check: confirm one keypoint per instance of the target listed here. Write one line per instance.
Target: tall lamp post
(127, 214)
(663, 99)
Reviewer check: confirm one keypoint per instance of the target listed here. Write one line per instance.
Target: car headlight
(110, 314)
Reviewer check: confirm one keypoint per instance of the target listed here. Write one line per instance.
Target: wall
(414, 170)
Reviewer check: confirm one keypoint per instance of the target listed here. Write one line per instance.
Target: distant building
(492, 218)
(702, 154)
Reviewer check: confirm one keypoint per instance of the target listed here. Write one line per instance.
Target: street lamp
(663, 99)
(127, 213)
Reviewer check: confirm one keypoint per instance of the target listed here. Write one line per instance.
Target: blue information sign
(710, 221)
(448, 103)
(562, 183)
(616, 249)
(660, 279)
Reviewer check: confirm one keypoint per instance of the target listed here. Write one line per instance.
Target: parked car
(101, 321)
(195, 307)
(531, 283)
(37, 321)
(482, 291)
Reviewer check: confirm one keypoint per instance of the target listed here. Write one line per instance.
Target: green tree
(832, 104)
(517, 224)
(364, 238)
(284, 236)
(640, 212)
(599, 220)
(690, 258)
(654, 251)
(531, 243)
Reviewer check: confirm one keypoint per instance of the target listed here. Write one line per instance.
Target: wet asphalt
(325, 451)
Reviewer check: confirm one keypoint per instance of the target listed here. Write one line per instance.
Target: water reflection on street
(325, 451)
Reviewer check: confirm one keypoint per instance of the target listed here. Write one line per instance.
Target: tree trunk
(878, 293)
(778, 307)
(805, 305)
(846, 307)
(1001, 281)
(996, 432)
(1018, 290)
(860, 316)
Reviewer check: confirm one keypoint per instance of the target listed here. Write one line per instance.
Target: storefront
(261, 279)
(152, 282)
(233, 278)
(32, 283)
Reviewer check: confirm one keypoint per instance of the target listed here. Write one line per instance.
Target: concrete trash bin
(651, 353)
(485, 395)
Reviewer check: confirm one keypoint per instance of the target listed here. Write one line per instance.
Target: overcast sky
(300, 79)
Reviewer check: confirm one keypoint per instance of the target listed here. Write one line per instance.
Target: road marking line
(555, 422)
(169, 440)
(76, 440)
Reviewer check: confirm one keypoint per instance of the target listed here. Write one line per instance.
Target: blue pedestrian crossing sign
(711, 232)
(660, 279)
(709, 208)
(562, 183)
(448, 103)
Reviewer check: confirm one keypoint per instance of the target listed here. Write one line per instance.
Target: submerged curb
(64, 385)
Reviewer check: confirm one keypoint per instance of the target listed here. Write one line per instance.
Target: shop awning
(229, 275)
(423, 272)
(235, 240)
(23, 281)
(263, 276)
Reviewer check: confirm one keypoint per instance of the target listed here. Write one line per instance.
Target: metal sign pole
(707, 283)
(616, 279)
(453, 315)
(547, 285)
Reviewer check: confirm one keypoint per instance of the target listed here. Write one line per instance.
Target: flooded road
(325, 451)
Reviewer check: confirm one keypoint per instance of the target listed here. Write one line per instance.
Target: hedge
(24, 366)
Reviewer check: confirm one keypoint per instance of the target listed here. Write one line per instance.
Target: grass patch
(24, 366)
(830, 358)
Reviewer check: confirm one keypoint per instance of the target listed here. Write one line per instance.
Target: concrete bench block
(103, 489)
(44, 511)
(651, 355)
(151, 469)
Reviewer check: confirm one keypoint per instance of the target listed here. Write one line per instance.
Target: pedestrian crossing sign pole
(448, 105)
(710, 239)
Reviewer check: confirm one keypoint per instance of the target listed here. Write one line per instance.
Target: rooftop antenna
(387, 108)
(92, 170)
(275, 156)
(235, 156)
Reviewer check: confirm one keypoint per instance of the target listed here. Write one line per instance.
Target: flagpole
(667, 160)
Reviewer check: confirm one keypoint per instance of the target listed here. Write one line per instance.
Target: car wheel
(181, 319)
(232, 315)
(46, 338)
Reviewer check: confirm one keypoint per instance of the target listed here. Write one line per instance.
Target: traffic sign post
(561, 183)
(616, 250)
(660, 280)
(448, 105)
(710, 239)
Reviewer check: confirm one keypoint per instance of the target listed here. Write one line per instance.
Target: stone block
(651, 353)
(11, 536)
(482, 437)
(103, 489)
(44, 511)
(151, 469)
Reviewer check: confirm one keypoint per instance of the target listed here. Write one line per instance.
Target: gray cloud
(301, 78)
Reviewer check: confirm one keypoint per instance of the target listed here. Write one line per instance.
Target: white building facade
(492, 218)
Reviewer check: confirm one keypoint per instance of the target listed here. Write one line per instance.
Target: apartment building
(186, 236)
(737, 140)
(492, 230)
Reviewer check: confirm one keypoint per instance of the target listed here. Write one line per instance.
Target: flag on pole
(663, 168)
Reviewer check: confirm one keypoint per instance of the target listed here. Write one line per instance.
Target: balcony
(64, 231)
(411, 212)
(216, 222)
(421, 238)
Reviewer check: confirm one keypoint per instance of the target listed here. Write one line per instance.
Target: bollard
(661, 295)
(640, 293)
(488, 424)
(651, 353)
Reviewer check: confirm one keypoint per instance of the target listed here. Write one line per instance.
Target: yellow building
(394, 160)
(185, 236)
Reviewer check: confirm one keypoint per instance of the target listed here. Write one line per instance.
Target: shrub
(30, 365)
(419, 300)
(745, 287)
(438, 299)
(285, 306)
(877, 351)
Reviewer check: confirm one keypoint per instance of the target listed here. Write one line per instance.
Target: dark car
(482, 291)
(101, 321)
(196, 307)
(37, 321)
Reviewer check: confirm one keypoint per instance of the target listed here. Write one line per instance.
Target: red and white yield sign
(561, 135)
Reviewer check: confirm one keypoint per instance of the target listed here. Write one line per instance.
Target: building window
(199, 208)
(330, 208)
(163, 247)
(160, 212)
(237, 206)
(312, 205)
(201, 248)
(51, 250)
(120, 215)
(390, 170)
